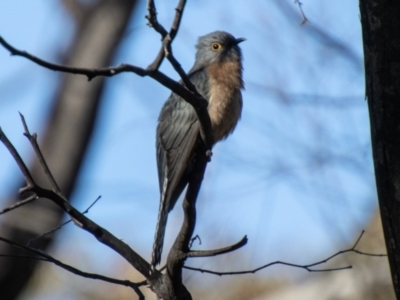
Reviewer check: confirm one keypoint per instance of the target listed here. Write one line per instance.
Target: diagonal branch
(33, 140)
(19, 204)
(85, 223)
(61, 225)
(48, 258)
(27, 175)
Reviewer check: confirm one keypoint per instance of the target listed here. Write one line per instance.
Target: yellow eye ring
(216, 46)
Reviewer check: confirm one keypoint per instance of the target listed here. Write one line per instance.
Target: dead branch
(306, 267)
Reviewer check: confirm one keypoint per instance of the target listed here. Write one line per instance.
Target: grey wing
(177, 133)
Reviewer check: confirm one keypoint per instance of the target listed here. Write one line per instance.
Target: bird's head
(217, 46)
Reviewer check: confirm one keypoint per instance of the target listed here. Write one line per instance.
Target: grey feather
(178, 137)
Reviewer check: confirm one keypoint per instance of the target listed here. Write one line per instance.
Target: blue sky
(296, 176)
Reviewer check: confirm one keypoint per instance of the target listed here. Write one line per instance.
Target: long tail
(159, 235)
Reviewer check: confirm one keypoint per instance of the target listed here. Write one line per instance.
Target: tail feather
(159, 235)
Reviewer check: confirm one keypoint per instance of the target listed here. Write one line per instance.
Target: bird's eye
(216, 46)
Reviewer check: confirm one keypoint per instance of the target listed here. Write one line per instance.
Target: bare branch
(60, 226)
(196, 237)
(48, 258)
(167, 38)
(306, 267)
(97, 231)
(152, 18)
(33, 140)
(220, 251)
(18, 204)
(197, 101)
(27, 175)
(305, 20)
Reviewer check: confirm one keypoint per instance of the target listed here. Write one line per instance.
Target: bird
(217, 76)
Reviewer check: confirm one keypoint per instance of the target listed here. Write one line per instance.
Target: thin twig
(167, 38)
(33, 140)
(19, 204)
(48, 258)
(306, 267)
(152, 18)
(196, 237)
(101, 234)
(197, 101)
(27, 175)
(60, 226)
(305, 20)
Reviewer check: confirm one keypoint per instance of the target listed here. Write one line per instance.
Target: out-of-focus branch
(71, 118)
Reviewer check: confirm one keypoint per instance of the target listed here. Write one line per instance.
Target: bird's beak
(239, 40)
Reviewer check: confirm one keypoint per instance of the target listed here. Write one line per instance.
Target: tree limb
(205, 253)
(85, 223)
(307, 267)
